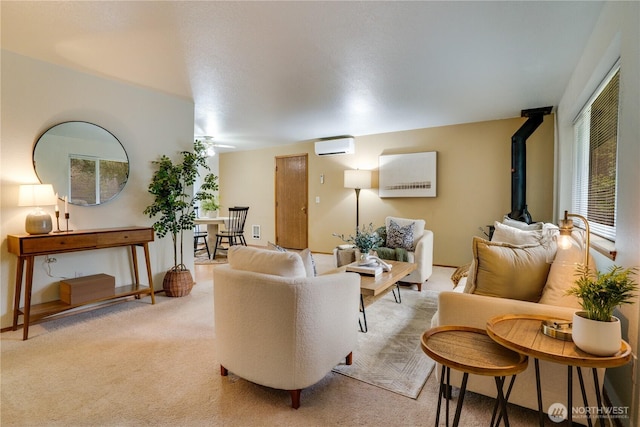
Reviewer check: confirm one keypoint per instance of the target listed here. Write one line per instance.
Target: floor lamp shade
(357, 178)
(37, 196)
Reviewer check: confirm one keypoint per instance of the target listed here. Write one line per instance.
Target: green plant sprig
(366, 239)
(601, 294)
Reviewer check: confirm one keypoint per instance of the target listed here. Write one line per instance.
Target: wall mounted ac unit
(332, 147)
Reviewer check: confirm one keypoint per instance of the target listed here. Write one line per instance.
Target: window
(94, 180)
(596, 140)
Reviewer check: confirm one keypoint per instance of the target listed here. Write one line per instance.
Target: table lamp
(37, 195)
(566, 229)
(357, 179)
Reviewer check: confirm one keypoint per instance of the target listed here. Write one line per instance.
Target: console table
(26, 247)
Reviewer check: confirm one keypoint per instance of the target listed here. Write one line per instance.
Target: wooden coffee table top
(470, 350)
(521, 333)
(375, 285)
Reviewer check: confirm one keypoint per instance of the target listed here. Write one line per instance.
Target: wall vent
(255, 232)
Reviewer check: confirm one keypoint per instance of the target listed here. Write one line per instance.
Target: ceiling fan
(210, 146)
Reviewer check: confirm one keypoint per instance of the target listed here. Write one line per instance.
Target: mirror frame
(105, 137)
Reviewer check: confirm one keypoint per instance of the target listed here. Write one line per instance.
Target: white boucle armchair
(282, 330)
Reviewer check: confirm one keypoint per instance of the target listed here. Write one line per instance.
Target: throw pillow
(305, 254)
(284, 264)
(508, 271)
(309, 263)
(521, 225)
(562, 276)
(418, 225)
(516, 236)
(400, 236)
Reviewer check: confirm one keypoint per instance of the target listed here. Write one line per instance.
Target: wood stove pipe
(519, 210)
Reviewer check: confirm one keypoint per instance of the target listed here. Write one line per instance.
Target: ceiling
(265, 73)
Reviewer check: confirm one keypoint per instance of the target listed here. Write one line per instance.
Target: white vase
(363, 258)
(596, 337)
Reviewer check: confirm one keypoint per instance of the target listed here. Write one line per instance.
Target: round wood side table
(471, 351)
(522, 333)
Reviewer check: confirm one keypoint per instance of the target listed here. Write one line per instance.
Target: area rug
(202, 258)
(389, 354)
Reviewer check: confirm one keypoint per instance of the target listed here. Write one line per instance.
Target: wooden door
(291, 201)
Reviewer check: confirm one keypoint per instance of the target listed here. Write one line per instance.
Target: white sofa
(277, 324)
(419, 250)
(468, 309)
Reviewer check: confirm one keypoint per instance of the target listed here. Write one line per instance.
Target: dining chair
(197, 235)
(234, 232)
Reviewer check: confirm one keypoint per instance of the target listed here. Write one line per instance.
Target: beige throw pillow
(516, 236)
(285, 264)
(508, 271)
(562, 276)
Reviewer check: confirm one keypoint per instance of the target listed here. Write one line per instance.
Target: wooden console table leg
(18, 292)
(149, 274)
(134, 257)
(27, 298)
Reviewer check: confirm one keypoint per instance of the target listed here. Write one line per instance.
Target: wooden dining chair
(234, 232)
(197, 235)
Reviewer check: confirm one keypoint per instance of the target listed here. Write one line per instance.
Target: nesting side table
(471, 351)
(522, 333)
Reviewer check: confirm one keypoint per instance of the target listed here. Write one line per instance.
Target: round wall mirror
(83, 162)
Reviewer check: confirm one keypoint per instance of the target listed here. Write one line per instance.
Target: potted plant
(210, 207)
(596, 330)
(174, 203)
(365, 240)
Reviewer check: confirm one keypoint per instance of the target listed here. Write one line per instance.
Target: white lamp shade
(36, 195)
(357, 178)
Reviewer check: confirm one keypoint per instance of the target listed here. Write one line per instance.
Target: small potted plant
(365, 240)
(210, 207)
(595, 329)
(174, 203)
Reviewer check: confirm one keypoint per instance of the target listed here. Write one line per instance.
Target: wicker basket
(177, 283)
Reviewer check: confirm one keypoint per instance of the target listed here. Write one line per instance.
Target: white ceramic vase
(595, 337)
(363, 258)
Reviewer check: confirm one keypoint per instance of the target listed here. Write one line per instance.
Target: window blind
(596, 138)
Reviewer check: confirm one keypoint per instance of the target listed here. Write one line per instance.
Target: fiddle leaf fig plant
(174, 200)
(599, 295)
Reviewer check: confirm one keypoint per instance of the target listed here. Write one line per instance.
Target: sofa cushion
(508, 271)
(285, 264)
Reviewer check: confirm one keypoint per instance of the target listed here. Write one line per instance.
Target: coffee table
(375, 285)
(521, 333)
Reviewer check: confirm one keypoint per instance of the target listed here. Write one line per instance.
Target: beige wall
(37, 95)
(473, 184)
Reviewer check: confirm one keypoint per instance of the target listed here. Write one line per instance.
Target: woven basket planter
(177, 283)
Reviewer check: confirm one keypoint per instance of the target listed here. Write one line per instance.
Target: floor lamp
(357, 179)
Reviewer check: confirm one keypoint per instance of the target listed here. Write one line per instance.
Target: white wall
(616, 35)
(37, 95)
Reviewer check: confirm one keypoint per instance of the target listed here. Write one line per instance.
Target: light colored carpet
(389, 354)
(137, 364)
